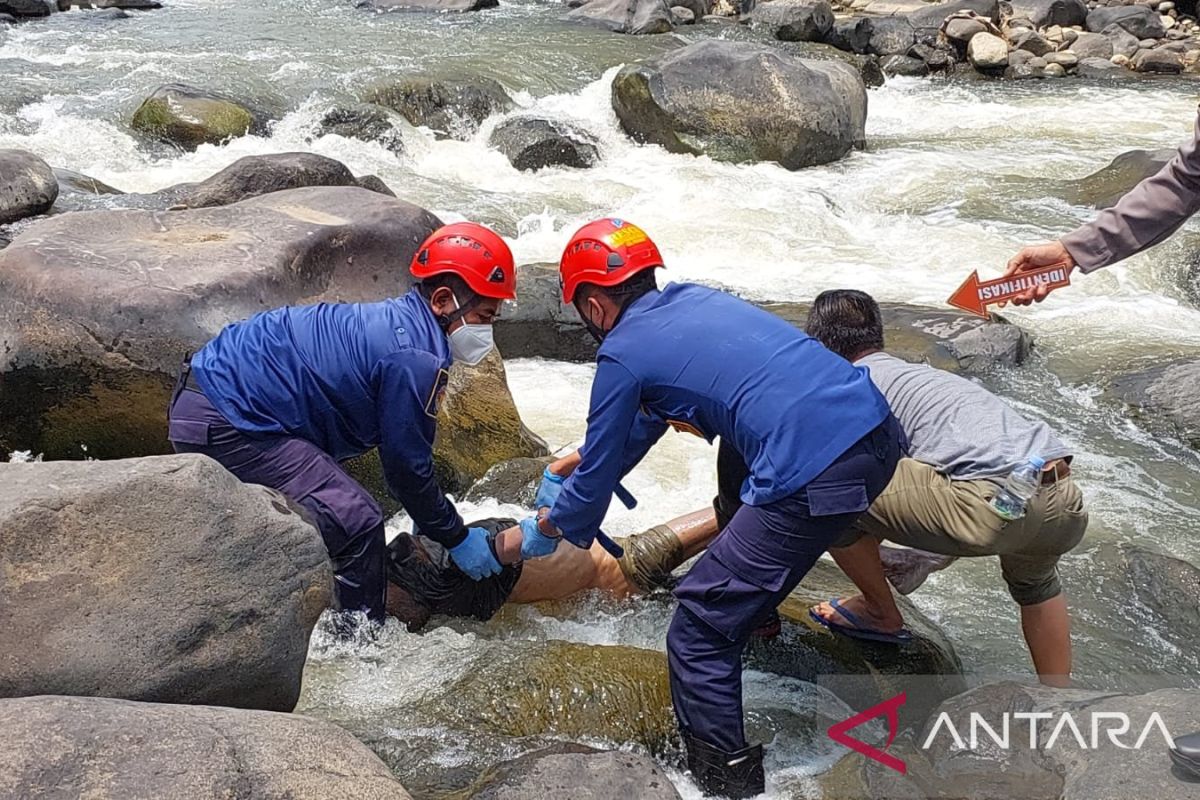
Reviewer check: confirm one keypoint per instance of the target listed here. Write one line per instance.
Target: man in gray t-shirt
(963, 443)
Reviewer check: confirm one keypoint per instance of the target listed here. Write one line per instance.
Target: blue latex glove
(534, 543)
(473, 555)
(549, 490)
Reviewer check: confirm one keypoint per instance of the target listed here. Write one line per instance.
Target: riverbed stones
(578, 772)
(682, 16)
(963, 29)
(453, 108)
(441, 6)
(1092, 45)
(1167, 392)
(104, 748)
(891, 36)
(1124, 44)
(160, 579)
(931, 17)
(27, 186)
(1102, 69)
(1033, 42)
(515, 482)
(1140, 21)
(1158, 61)
(852, 35)
(27, 8)
(533, 143)
(1043, 13)
(251, 176)
(188, 117)
(905, 66)
(364, 121)
(741, 102)
(794, 20)
(988, 52)
(635, 17)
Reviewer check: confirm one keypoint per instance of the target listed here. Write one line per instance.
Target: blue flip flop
(859, 630)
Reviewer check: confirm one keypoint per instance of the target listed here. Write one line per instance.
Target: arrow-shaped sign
(975, 297)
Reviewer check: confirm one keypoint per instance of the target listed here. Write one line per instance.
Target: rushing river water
(956, 176)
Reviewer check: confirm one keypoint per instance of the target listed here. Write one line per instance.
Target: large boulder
(27, 186)
(625, 16)
(427, 5)
(852, 34)
(159, 579)
(743, 102)
(891, 36)
(1107, 185)
(987, 52)
(578, 772)
(118, 750)
(364, 121)
(1044, 13)
(188, 117)
(533, 143)
(1165, 392)
(934, 15)
(251, 176)
(1138, 20)
(1092, 45)
(452, 108)
(27, 8)
(794, 20)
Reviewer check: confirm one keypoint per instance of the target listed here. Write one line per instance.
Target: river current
(955, 176)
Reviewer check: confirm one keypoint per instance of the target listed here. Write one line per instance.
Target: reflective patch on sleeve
(439, 391)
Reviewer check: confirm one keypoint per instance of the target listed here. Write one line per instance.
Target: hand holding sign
(1023, 286)
(1051, 254)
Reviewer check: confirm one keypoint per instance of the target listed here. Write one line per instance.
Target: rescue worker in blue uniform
(279, 399)
(817, 439)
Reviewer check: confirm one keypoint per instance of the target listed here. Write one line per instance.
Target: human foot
(855, 618)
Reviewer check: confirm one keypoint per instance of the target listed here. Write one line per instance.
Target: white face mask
(470, 344)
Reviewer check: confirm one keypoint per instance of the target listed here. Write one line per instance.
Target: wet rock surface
(364, 121)
(252, 176)
(427, 5)
(514, 481)
(188, 117)
(102, 748)
(452, 108)
(743, 102)
(1165, 393)
(533, 143)
(794, 20)
(161, 579)
(635, 17)
(28, 186)
(578, 772)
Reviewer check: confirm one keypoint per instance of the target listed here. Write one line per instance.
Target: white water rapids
(956, 176)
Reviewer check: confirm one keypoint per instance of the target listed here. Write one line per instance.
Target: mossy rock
(188, 117)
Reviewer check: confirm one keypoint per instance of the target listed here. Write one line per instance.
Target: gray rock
(625, 16)
(1044, 13)
(578, 772)
(27, 186)
(891, 36)
(682, 16)
(1141, 22)
(441, 6)
(100, 748)
(852, 35)
(27, 8)
(70, 181)
(7, 19)
(1065, 59)
(1123, 42)
(161, 579)
(699, 8)
(515, 481)
(132, 5)
(1033, 42)
(936, 58)
(962, 29)
(374, 183)
(452, 108)
(1024, 71)
(934, 14)
(251, 176)
(1104, 187)
(987, 52)
(904, 65)
(1167, 392)
(364, 121)
(1163, 62)
(1018, 57)
(740, 102)
(531, 143)
(1156, 582)
(1092, 45)
(794, 20)
(1054, 71)
(1110, 772)
(1102, 69)
(188, 117)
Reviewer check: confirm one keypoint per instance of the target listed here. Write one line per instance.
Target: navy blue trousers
(760, 557)
(349, 519)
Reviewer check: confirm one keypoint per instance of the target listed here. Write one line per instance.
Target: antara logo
(890, 708)
(1116, 726)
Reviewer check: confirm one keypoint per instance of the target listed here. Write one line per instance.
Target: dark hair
(846, 321)
(428, 286)
(623, 293)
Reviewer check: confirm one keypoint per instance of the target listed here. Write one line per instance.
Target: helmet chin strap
(460, 311)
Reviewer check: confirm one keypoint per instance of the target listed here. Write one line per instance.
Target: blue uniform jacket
(705, 362)
(346, 377)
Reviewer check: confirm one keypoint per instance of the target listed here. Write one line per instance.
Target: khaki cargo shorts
(924, 509)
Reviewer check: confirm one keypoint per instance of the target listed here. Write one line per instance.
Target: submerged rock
(27, 186)
(161, 579)
(427, 5)
(741, 102)
(514, 481)
(251, 176)
(1165, 392)
(532, 143)
(625, 16)
(71, 181)
(577, 772)
(364, 121)
(189, 117)
(1107, 185)
(101, 748)
(27, 8)
(452, 108)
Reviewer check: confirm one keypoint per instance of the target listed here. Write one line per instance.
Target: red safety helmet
(606, 252)
(472, 252)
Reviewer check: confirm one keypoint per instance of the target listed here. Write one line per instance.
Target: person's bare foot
(866, 615)
(906, 569)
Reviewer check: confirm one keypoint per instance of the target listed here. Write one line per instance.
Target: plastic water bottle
(1022, 484)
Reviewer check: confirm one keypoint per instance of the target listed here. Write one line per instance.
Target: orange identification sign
(975, 296)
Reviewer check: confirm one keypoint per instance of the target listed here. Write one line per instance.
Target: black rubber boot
(738, 775)
(1186, 754)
